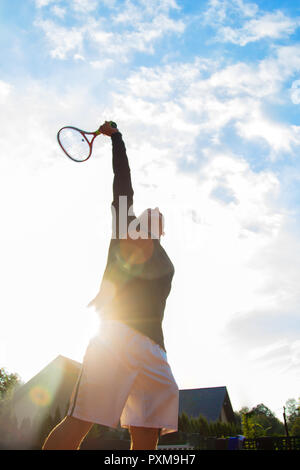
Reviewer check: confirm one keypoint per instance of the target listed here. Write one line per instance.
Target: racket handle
(112, 123)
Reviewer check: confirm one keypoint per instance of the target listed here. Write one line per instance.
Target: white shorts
(125, 377)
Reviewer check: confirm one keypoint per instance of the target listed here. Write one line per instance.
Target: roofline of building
(202, 388)
(22, 389)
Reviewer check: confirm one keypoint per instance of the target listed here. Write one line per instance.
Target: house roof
(48, 390)
(52, 375)
(207, 402)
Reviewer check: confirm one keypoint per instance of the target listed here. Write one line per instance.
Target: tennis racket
(76, 143)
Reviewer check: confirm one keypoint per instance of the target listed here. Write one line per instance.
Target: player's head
(152, 223)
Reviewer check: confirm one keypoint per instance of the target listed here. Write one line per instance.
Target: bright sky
(207, 96)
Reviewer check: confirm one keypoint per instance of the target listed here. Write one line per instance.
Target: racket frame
(84, 134)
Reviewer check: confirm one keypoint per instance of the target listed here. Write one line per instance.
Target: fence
(272, 443)
(261, 443)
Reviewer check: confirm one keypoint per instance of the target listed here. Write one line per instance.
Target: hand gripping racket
(76, 143)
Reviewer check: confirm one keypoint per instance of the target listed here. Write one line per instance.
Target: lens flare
(136, 252)
(40, 396)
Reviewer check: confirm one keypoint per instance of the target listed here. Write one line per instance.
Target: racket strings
(74, 144)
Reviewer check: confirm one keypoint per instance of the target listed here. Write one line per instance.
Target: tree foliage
(295, 429)
(8, 383)
(260, 421)
(292, 412)
(201, 426)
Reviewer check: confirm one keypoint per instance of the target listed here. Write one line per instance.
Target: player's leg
(101, 390)
(67, 435)
(143, 438)
(153, 402)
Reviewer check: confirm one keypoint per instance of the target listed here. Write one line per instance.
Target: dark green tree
(194, 427)
(184, 422)
(25, 427)
(9, 383)
(295, 429)
(9, 430)
(292, 409)
(43, 424)
(203, 426)
(238, 418)
(23, 438)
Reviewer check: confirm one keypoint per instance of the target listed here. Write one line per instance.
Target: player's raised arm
(122, 186)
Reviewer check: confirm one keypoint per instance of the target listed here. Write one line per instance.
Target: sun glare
(93, 323)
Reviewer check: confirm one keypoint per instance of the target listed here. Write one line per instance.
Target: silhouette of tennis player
(125, 376)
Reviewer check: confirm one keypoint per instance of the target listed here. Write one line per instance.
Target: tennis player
(125, 375)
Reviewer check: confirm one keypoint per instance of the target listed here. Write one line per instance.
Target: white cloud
(295, 353)
(266, 335)
(142, 38)
(102, 64)
(271, 25)
(44, 3)
(59, 11)
(61, 39)
(143, 24)
(171, 95)
(219, 11)
(241, 22)
(158, 115)
(77, 5)
(179, 98)
(295, 92)
(5, 89)
(280, 137)
(137, 11)
(84, 6)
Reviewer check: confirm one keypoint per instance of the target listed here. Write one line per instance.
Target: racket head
(74, 143)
